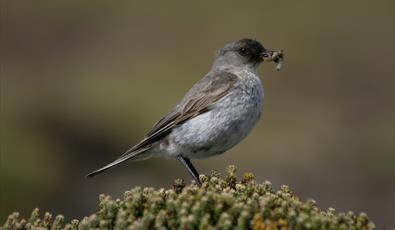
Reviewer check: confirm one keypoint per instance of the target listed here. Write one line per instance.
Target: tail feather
(126, 156)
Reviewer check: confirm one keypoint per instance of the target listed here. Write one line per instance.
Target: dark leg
(191, 170)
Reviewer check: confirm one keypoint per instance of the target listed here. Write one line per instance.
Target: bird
(217, 113)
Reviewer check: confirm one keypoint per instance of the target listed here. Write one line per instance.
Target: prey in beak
(275, 56)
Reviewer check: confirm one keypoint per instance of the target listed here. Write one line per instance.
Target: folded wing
(198, 100)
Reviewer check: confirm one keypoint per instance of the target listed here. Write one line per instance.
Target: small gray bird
(215, 114)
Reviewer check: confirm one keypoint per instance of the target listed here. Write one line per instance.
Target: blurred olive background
(81, 81)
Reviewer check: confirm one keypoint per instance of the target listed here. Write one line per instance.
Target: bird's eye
(244, 52)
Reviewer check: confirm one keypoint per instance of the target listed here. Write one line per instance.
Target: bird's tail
(130, 154)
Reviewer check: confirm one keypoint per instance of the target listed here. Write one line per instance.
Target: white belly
(224, 126)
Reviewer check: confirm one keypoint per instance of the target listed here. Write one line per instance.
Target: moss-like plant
(218, 204)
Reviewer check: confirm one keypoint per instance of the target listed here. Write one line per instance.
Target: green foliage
(218, 204)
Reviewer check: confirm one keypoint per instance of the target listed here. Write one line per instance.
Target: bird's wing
(198, 100)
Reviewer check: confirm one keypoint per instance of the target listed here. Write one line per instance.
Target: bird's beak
(267, 54)
(275, 56)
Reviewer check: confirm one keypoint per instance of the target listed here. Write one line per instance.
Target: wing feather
(217, 85)
(198, 100)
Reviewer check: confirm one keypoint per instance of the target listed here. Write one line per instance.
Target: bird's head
(244, 53)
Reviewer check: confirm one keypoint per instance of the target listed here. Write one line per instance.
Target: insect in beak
(275, 56)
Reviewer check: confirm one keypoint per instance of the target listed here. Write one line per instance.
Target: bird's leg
(191, 170)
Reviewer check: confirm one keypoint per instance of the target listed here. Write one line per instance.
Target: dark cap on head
(251, 44)
(247, 48)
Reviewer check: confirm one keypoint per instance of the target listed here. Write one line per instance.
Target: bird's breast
(226, 124)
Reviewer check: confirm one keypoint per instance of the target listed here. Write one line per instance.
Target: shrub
(218, 204)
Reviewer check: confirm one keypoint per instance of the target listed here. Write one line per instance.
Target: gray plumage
(214, 115)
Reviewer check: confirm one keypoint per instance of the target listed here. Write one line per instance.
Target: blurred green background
(81, 81)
